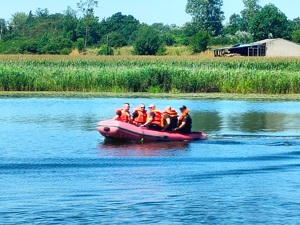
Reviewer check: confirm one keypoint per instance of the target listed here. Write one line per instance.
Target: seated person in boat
(153, 119)
(184, 125)
(169, 119)
(123, 114)
(139, 115)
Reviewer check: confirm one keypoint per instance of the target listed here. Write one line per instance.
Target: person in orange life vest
(153, 119)
(169, 119)
(184, 125)
(123, 114)
(139, 115)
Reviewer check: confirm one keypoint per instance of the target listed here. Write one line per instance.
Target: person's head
(182, 108)
(151, 107)
(142, 106)
(168, 108)
(126, 106)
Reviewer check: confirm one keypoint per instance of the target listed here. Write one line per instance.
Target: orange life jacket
(157, 117)
(141, 118)
(172, 113)
(182, 116)
(125, 116)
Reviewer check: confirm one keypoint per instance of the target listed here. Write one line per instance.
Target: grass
(150, 74)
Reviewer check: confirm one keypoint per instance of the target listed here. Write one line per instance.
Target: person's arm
(181, 126)
(118, 114)
(134, 115)
(168, 122)
(130, 120)
(149, 121)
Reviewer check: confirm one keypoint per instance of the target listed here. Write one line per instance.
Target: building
(268, 47)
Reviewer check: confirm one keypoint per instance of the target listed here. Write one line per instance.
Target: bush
(65, 51)
(296, 36)
(199, 42)
(80, 44)
(105, 50)
(148, 41)
(30, 46)
(11, 47)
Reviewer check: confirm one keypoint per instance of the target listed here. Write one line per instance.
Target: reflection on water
(143, 149)
(258, 121)
(247, 122)
(209, 121)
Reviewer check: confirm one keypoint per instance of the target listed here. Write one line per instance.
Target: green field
(167, 74)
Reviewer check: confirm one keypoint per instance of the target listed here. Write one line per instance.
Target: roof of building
(246, 45)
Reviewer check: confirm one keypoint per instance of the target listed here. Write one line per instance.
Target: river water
(55, 168)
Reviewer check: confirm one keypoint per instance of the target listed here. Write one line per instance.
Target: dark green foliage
(207, 14)
(199, 42)
(251, 8)
(80, 44)
(147, 42)
(296, 36)
(270, 22)
(115, 39)
(105, 50)
(235, 24)
(43, 33)
(120, 28)
(29, 46)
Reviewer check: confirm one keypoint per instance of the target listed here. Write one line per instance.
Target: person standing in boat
(139, 115)
(169, 119)
(184, 122)
(153, 119)
(123, 114)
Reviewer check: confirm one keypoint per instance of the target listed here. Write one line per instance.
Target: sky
(146, 11)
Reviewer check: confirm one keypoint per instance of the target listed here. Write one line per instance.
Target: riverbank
(221, 96)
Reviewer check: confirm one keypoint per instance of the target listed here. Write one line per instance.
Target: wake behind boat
(118, 130)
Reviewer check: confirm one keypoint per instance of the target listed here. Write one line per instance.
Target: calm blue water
(55, 168)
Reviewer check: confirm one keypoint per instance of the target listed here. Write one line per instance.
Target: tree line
(44, 33)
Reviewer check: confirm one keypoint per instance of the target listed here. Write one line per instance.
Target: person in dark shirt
(169, 119)
(184, 122)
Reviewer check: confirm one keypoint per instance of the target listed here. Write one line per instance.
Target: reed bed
(149, 74)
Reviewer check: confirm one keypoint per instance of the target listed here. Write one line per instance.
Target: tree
(116, 40)
(251, 9)
(87, 9)
(119, 25)
(243, 37)
(70, 23)
(270, 22)
(17, 23)
(296, 36)
(148, 41)
(42, 12)
(235, 24)
(3, 28)
(208, 14)
(199, 42)
(295, 24)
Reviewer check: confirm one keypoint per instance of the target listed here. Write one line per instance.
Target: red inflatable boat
(118, 130)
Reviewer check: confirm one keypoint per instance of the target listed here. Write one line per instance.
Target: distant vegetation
(40, 32)
(149, 74)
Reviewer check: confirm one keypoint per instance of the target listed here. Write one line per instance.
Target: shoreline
(200, 96)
